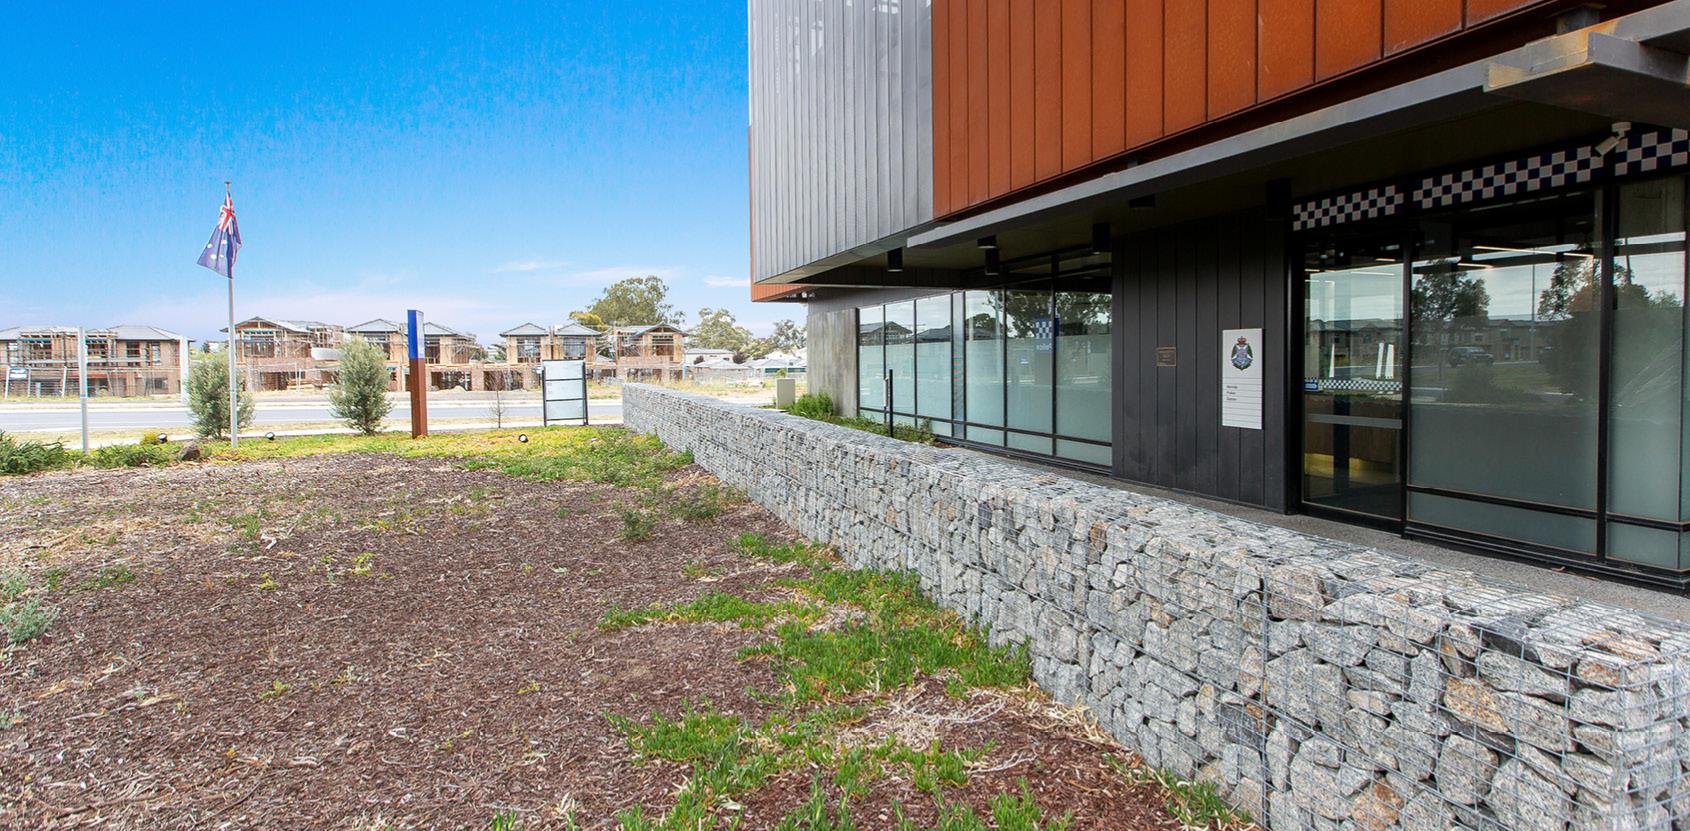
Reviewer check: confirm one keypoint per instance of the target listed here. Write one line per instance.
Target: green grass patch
(24, 615)
(132, 455)
(803, 553)
(597, 454)
(713, 607)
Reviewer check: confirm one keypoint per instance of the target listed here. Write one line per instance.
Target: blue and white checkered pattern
(1653, 150)
(1544, 171)
(1375, 385)
(1346, 207)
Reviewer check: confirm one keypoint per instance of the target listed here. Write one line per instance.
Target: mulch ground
(364, 641)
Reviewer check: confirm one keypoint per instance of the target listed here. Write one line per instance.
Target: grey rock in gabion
(1318, 684)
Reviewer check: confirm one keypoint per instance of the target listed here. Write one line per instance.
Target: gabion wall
(1321, 685)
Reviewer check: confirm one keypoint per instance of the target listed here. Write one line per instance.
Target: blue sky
(489, 166)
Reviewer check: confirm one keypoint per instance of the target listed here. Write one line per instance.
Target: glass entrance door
(1352, 381)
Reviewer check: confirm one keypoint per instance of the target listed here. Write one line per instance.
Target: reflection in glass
(1506, 325)
(871, 358)
(1352, 379)
(983, 327)
(1083, 367)
(900, 358)
(1029, 353)
(1646, 444)
(933, 357)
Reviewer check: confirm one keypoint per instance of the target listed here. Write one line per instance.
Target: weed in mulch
(705, 502)
(638, 524)
(1193, 804)
(23, 615)
(806, 554)
(108, 577)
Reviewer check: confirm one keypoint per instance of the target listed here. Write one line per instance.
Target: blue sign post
(417, 350)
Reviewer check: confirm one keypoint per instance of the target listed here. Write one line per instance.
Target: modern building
(125, 360)
(1417, 264)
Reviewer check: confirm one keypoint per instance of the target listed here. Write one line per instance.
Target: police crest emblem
(1242, 355)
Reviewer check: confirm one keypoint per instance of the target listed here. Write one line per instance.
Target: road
(59, 419)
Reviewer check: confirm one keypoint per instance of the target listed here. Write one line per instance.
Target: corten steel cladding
(1025, 91)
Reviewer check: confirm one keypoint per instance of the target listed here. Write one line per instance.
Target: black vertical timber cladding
(1180, 287)
(1165, 313)
(1186, 375)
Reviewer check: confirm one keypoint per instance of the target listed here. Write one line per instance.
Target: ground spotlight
(270, 436)
(163, 438)
(522, 437)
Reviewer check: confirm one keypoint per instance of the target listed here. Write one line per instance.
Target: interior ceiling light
(895, 260)
(989, 242)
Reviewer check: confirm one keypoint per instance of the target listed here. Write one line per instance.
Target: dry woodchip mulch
(360, 640)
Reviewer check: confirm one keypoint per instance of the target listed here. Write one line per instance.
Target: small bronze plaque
(1167, 356)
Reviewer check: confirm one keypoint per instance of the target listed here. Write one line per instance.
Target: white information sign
(564, 387)
(1241, 378)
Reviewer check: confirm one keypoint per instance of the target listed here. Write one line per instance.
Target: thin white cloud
(529, 266)
(717, 281)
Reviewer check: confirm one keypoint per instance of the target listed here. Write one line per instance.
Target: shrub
(359, 395)
(22, 618)
(208, 397)
(18, 457)
(132, 455)
(816, 405)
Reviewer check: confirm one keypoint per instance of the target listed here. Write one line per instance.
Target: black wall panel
(1179, 287)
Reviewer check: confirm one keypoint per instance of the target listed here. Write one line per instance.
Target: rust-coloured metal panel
(1144, 71)
(1076, 83)
(1285, 54)
(997, 95)
(1021, 139)
(1347, 34)
(1047, 89)
(1409, 23)
(942, 143)
(1232, 55)
(1027, 91)
(979, 107)
(960, 138)
(1185, 82)
(1478, 11)
(1108, 77)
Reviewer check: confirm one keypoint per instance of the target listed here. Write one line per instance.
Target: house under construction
(127, 360)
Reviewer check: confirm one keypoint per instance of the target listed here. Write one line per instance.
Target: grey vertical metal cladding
(841, 126)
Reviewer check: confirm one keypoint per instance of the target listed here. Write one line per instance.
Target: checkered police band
(1642, 152)
(1653, 150)
(1347, 207)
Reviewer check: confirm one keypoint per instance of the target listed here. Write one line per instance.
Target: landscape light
(270, 436)
(163, 438)
(522, 437)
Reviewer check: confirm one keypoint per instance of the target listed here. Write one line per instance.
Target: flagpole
(234, 405)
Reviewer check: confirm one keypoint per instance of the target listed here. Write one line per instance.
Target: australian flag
(219, 253)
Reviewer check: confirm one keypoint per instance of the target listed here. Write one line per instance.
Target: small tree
(496, 404)
(208, 397)
(359, 395)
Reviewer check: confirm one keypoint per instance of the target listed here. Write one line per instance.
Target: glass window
(933, 358)
(1506, 324)
(983, 359)
(871, 358)
(900, 356)
(1647, 388)
(1030, 352)
(1083, 366)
